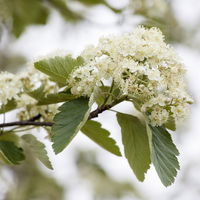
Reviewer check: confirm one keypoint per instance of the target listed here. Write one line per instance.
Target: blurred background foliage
(103, 186)
(28, 180)
(159, 13)
(17, 15)
(155, 12)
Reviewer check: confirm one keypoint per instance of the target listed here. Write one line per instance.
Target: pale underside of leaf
(38, 149)
(163, 154)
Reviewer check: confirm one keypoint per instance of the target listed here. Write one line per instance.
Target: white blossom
(10, 86)
(15, 86)
(142, 65)
(139, 63)
(83, 80)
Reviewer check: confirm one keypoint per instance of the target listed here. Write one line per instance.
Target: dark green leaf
(38, 149)
(3, 159)
(9, 136)
(11, 105)
(163, 154)
(59, 68)
(91, 2)
(136, 145)
(93, 130)
(56, 98)
(68, 122)
(11, 152)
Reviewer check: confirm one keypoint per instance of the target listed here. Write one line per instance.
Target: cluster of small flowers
(16, 87)
(82, 80)
(47, 112)
(143, 66)
(10, 87)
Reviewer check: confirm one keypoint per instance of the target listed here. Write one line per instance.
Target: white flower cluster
(143, 66)
(83, 79)
(10, 87)
(16, 87)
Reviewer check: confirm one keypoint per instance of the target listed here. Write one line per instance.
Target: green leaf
(171, 124)
(136, 146)
(136, 102)
(91, 2)
(38, 149)
(11, 152)
(66, 12)
(97, 2)
(163, 154)
(4, 14)
(68, 122)
(59, 68)
(37, 94)
(56, 98)
(9, 136)
(93, 130)
(11, 105)
(4, 160)
(102, 93)
(25, 13)
(53, 98)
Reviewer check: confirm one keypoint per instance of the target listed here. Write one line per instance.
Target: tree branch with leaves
(63, 94)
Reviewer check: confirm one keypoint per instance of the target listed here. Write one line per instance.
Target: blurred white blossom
(10, 86)
(16, 86)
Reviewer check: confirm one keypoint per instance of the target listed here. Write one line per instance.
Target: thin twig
(35, 118)
(26, 123)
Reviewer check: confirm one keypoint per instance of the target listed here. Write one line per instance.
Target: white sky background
(57, 35)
